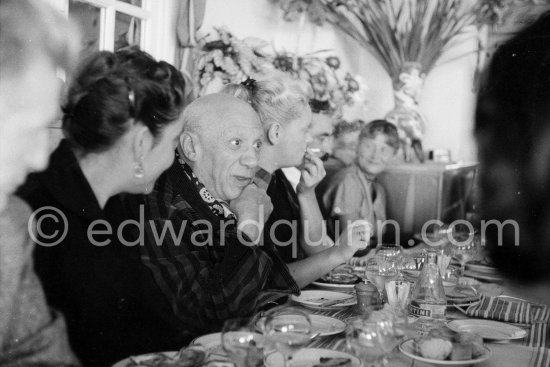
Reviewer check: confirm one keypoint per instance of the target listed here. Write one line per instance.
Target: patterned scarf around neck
(216, 206)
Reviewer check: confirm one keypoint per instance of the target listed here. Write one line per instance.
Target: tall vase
(406, 115)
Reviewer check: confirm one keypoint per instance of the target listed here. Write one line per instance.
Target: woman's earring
(138, 170)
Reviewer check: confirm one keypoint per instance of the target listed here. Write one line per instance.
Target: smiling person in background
(34, 42)
(354, 193)
(121, 122)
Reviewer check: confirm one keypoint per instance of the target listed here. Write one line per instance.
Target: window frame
(157, 36)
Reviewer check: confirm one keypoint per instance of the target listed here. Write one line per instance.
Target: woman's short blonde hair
(276, 97)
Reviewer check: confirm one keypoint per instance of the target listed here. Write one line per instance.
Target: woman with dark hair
(353, 193)
(122, 123)
(513, 134)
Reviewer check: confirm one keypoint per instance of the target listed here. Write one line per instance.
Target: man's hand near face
(313, 171)
(252, 208)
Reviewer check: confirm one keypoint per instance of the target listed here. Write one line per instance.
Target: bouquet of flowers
(228, 60)
(320, 73)
(294, 9)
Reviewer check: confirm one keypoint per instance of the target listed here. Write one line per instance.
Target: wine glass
(380, 270)
(371, 341)
(288, 330)
(241, 343)
(464, 248)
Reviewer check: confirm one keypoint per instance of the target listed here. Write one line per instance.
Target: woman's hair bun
(112, 88)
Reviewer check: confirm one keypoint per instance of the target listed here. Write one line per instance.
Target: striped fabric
(495, 308)
(533, 351)
(205, 268)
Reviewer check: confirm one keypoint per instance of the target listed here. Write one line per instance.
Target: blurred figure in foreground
(513, 134)
(34, 42)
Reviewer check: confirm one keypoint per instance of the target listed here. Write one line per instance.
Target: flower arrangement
(320, 73)
(399, 32)
(294, 9)
(407, 37)
(231, 60)
(228, 60)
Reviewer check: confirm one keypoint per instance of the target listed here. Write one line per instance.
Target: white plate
(313, 299)
(141, 358)
(481, 268)
(488, 329)
(407, 348)
(211, 342)
(308, 357)
(411, 273)
(320, 325)
(334, 286)
(483, 276)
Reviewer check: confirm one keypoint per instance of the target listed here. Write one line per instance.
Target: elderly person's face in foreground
(31, 104)
(223, 144)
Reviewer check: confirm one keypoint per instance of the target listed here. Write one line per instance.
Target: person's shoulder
(16, 213)
(14, 227)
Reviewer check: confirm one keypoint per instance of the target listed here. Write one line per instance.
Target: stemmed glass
(241, 343)
(371, 341)
(464, 248)
(380, 270)
(288, 330)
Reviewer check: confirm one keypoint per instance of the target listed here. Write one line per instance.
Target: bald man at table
(209, 268)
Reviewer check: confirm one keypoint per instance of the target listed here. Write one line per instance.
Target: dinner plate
(333, 286)
(488, 329)
(407, 348)
(483, 276)
(308, 357)
(481, 268)
(211, 342)
(313, 299)
(411, 273)
(141, 358)
(320, 325)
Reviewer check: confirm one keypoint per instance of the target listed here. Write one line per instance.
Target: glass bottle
(428, 301)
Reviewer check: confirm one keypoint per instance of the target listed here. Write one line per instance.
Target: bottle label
(427, 310)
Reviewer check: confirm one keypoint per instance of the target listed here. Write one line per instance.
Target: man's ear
(190, 145)
(273, 134)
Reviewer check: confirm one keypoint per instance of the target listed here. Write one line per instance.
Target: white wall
(447, 99)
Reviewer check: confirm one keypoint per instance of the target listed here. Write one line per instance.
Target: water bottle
(428, 301)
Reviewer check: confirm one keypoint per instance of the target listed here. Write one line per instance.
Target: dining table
(533, 350)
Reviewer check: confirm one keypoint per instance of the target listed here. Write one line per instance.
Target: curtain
(190, 18)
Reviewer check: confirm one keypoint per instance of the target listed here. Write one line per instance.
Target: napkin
(495, 308)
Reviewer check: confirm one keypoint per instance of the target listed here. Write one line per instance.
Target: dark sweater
(99, 289)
